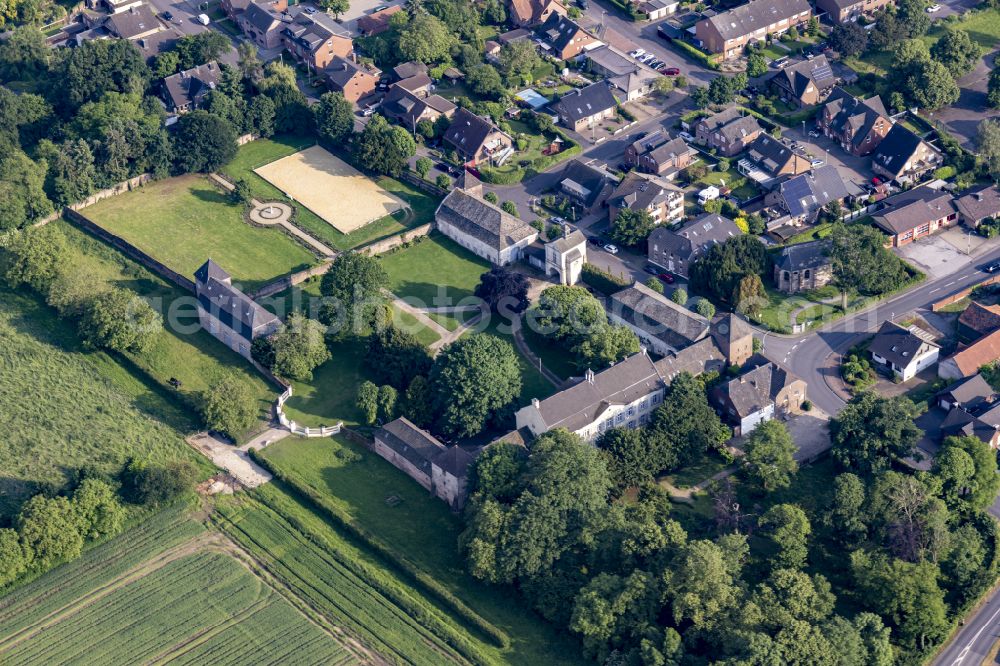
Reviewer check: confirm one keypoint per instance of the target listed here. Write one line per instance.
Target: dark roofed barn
(227, 313)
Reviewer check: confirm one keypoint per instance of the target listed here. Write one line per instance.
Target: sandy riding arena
(331, 188)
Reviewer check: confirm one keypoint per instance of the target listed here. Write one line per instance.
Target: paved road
(970, 645)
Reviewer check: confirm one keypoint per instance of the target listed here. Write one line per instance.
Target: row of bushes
(326, 508)
(629, 9)
(693, 52)
(495, 176)
(602, 281)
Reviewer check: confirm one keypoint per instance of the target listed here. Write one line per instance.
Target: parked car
(992, 267)
(814, 134)
(203, 19)
(380, 8)
(636, 53)
(611, 249)
(167, 16)
(670, 71)
(666, 277)
(583, 4)
(555, 219)
(651, 269)
(656, 64)
(686, 136)
(309, 10)
(817, 162)
(934, 9)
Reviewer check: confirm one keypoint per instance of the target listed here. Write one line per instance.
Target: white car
(638, 53)
(814, 134)
(933, 8)
(611, 249)
(686, 136)
(203, 19)
(817, 162)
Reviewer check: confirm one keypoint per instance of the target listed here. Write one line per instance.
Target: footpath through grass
(264, 151)
(183, 221)
(359, 484)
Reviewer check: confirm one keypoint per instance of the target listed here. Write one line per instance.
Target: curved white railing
(296, 429)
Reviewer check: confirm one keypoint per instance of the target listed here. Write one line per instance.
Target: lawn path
(534, 360)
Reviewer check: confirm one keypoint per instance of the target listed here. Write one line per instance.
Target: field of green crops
(154, 595)
(343, 582)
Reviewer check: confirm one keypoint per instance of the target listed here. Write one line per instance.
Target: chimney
(642, 350)
(589, 376)
(565, 231)
(535, 403)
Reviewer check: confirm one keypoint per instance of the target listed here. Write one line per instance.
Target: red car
(670, 71)
(666, 277)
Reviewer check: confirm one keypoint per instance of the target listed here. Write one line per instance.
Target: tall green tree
(14, 559)
(872, 431)
(426, 39)
(847, 514)
(299, 347)
(629, 459)
(684, 426)
(769, 461)
(786, 527)
(384, 148)
(50, 529)
(957, 52)
(980, 490)
(203, 142)
(631, 227)
(120, 320)
(98, 508)
(352, 291)
(861, 263)
(475, 381)
(719, 272)
(395, 357)
(35, 255)
(334, 117)
(230, 406)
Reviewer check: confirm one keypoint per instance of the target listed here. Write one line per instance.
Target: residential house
(728, 131)
(662, 325)
(607, 62)
(409, 69)
(562, 257)
(903, 352)
(803, 197)
(262, 25)
(515, 35)
(484, 229)
(904, 157)
(133, 23)
(585, 184)
(187, 90)
(351, 79)
(377, 22)
(658, 154)
(314, 40)
(418, 84)
(640, 191)
(976, 321)
(633, 85)
(524, 13)
(227, 313)
(118, 6)
(773, 158)
(979, 206)
(803, 266)
(972, 410)
(654, 10)
(804, 83)
(762, 391)
(564, 38)
(734, 338)
(622, 396)
(841, 11)
(916, 213)
(476, 139)
(441, 469)
(968, 360)
(730, 31)
(970, 393)
(408, 109)
(586, 107)
(858, 125)
(677, 250)
(233, 8)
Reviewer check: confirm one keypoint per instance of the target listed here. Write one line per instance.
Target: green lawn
(705, 467)
(184, 221)
(741, 186)
(816, 232)
(418, 272)
(332, 394)
(64, 408)
(264, 151)
(555, 356)
(407, 322)
(422, 528)
(983, 27)
(193, 357)
(449, 321)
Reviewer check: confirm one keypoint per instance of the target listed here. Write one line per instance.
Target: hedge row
(602, 281)
(326, 508)
(693, 52)
(496, 177)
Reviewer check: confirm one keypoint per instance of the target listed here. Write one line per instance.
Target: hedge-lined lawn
(183, 221)
(421, 527)
(264, 151)
(983, 27)
(417, 272)
(193, 357)
(741, 186)
(332, 394)
(64, 408)
(555, 356)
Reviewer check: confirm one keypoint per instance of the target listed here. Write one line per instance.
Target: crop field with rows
(165, 592)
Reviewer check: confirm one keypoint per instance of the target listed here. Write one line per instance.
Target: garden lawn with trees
(418, 271)
(183, 221)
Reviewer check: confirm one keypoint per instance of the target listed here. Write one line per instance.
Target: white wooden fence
(296, 429)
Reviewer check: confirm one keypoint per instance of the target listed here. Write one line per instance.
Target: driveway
(235, 461)
(359, 8)
(935, 255)
(810, 432)
(963, 117)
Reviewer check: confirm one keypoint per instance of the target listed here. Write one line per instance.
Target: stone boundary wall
(386, 244)
(113, 191)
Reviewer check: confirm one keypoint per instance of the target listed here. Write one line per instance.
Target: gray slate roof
(261, 18)
(799, 257)
(770, 153)
(756, 15)
(583, 403)
(341, 70)
(595, 180)
(898, 345)
(658, 316)
(410, 68)
(422, 449)
(807, 193)
(133, 22)
(482, 220)
(559, 30)
(215, 287)
(896, 148)
(756, 388)
(582, 103)
(192, 85)
(969, 392)
(797, 77)
(639, 191)
(980, 204)
(467, 131)
(696, 237)
(848, 111)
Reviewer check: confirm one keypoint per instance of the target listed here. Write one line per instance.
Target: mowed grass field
(358, 483)
(63, 408)
(183, 221)
(417, 273)
(264, 151)
(166, 591)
